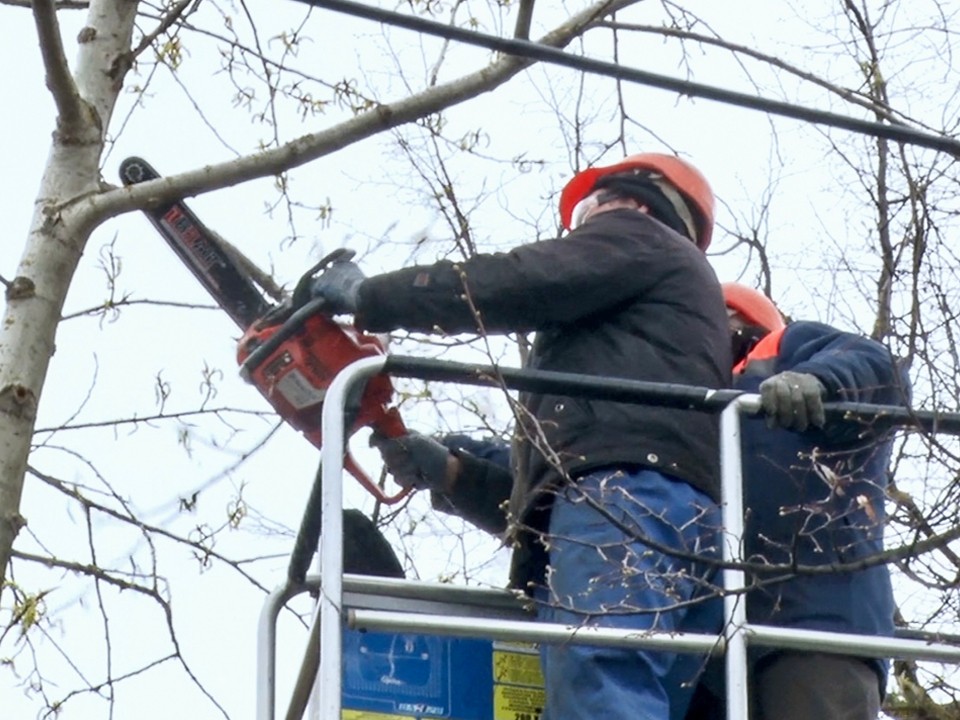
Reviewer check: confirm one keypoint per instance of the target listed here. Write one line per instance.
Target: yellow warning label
(367, 715)
(517, 669)
(517, 703)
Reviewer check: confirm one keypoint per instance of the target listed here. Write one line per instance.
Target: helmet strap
(679, 205)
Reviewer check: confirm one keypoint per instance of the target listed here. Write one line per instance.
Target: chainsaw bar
(201, 250)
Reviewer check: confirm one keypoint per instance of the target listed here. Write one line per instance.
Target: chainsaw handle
(389, 424)
(351, 466)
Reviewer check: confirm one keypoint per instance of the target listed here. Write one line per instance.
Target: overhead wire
(544, 53)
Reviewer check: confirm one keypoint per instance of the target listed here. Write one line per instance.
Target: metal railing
(440, 609)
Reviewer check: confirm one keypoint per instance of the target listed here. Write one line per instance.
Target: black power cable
(544, 53)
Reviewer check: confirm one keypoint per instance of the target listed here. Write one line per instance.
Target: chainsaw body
(294, 377)
(292, 365)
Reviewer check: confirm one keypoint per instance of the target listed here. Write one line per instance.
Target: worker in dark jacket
(814, 495)
(628, 293)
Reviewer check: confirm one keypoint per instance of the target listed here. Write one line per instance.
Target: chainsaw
(290, 351)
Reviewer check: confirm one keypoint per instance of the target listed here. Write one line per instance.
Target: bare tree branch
(93, 209)
(521, 29)
(59, 80)
(58, 5)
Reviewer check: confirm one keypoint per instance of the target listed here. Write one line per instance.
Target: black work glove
(414, 460)
(793, 401)
(339, 285)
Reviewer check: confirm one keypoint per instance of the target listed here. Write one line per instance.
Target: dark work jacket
(817, 497)
(622, 296)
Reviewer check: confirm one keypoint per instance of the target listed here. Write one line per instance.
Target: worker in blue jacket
(814, 495)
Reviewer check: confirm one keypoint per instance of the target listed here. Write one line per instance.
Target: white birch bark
(58, 232)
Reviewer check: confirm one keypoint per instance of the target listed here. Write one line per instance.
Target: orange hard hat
(753, 305)
(683, 176)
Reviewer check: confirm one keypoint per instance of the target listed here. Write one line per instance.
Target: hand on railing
(793, 401)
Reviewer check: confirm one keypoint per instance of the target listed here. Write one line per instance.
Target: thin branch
(851, 96)
(111, 306)
(59, 80)
(104, 615)
(111, 680)
(88, 570)
(168, 19)
(58, 5)
(153, 593)
(99, 573)
(136, 420)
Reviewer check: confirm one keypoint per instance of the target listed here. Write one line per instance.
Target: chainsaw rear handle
(351, 466)
(389, 424)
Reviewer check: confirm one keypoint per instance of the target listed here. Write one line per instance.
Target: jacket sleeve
(534, 286)
(852, 368)
(483, 486)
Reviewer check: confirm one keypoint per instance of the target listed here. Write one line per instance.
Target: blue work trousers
(608, 568)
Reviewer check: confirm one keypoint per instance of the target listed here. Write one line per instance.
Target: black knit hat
(643, 187)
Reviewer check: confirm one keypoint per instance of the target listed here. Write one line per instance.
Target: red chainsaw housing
(294, 379)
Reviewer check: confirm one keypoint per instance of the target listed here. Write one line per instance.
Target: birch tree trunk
(58, 233)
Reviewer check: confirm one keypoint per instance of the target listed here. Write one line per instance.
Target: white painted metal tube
(529, 631)
(266, 682)
(848, 644)
(734, 602)
(328, 702)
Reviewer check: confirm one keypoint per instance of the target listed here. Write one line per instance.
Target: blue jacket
(817, 497)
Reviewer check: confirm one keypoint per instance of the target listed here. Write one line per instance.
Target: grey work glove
(793, 401)
(339, 285)
(414, 460)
